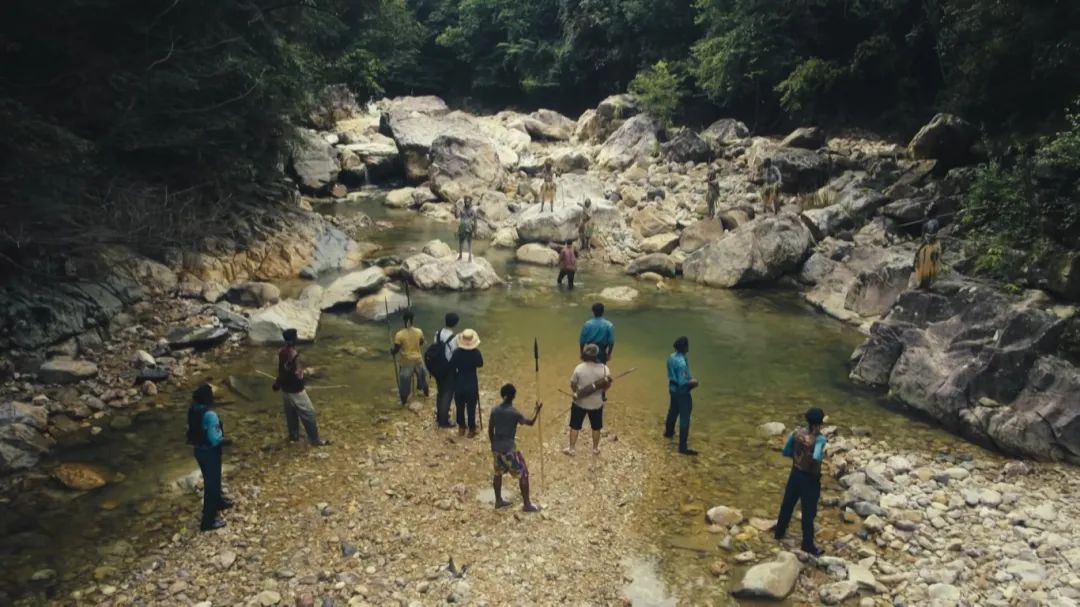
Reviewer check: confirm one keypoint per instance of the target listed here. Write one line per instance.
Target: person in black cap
(206, 436)
(806, 448)
(295, 401)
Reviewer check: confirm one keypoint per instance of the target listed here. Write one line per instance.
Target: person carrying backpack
(205, 435)
(806, 448)
(437, 360)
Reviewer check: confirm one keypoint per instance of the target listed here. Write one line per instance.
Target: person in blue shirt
(598, 330)
(680, 383)
(206, 436)
(806, 448)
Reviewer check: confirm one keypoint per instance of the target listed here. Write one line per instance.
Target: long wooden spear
(540, 420)
(390, 338)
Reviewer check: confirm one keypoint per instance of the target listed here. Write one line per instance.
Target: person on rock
(806, 448)
(585, 227)
(599, 331)
(295, 401)
(680, 384)
(587, 383)
(438, 358)
(774, 180)
(408, 342)
(466, 226)
(928, 256)
(567, 265)
(712, 195)
(206, 436)
(465, 361)
(502, 431)
(547, 188)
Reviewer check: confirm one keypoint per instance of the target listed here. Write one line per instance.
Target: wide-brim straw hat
(468, 340)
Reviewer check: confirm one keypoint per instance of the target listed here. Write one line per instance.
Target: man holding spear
(502, 430)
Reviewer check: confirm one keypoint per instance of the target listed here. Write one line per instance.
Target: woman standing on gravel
(205, 435)
(465, 361)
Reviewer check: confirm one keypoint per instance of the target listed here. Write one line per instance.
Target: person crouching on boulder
(806, 448)
(502, 431)
(206, 436)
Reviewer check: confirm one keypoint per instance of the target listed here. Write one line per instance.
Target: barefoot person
(712, 195)
(806, 448)
(567, 265)
(589, 379)
(502, 430)
(547, 188)
(206, 436)
(295, 401)
(465, 361)
(408, 342)
(585, 227)
(680, 383)
(466, 226)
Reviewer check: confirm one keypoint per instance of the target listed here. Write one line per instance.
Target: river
(761, 356)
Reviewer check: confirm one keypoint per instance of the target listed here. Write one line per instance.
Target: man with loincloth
(713, 193)
(547, 188)
(502, 430)
(466, 226)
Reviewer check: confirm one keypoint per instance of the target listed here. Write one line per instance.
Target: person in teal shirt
(806, 448)
(680, 383)
(207, 438)
(598, 330)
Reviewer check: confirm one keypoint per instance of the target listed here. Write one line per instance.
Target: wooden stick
(540, 420)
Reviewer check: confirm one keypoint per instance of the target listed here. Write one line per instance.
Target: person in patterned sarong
(502, 430)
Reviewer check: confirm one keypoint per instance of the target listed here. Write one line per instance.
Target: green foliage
(810, 81)
(660, 90)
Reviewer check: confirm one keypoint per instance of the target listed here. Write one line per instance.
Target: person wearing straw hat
(295, 401)
(806, 448)
(589, 380)
(465, 361)
(502, 431)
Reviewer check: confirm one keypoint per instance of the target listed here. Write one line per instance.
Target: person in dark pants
(444, 373)
(205, 435)
(567, 265)
(294, 398)
(680, 383)
(806, 448)
(465, 361)
(598, 330)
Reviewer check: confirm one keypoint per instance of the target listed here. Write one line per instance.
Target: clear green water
(761, 356)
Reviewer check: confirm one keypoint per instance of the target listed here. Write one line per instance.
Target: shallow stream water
(761, 356)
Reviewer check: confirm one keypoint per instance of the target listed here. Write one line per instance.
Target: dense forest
(124, 120)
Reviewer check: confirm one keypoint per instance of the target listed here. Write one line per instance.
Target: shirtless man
(713, 194)
(547, 189)
(502, 430)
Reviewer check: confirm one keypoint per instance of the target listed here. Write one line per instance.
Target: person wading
(437, 359)
(502, 431)
(408, 342)
(567, 265)
(206, 436)
(589, 380)
(295, 401)
(680, 383)
(465, 361)
(806, 448)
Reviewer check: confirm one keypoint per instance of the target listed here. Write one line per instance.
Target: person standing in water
(206, 436)
(567, 265)
(466, 226)
(599, 331)
(585, 227)
(408, 342)
(712, 195)
(589, 380)
(806, 448)
(680, 383)
(465, 361)
(502, 432)
(295, 401)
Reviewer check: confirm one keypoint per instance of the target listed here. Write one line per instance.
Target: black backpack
(435, 356)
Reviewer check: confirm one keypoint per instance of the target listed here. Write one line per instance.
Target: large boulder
(808, 137)
(854, 282)
(761, 251)
(21, 447)
(595, 126)
(335, 102)
(198, 338)
(653, 220)
(570, 161)
(314, 161)
(253, 294)
(549, 124)
(771, 580)
(82, 477)
(462, 166)
(452, 274)
(302, 314)
(635, 141)
(724, 131)
(853, 206)
(572, 189)
(560, 225)
(14, 412)
(537, 254)
(415, 132)
(374, 159)
(348, 289)
(661, 243)
(981, 362)
(946, 138)
(421, 104)
(377, 306)
(685, 146)
(801, 170)
(66, 371)
(658, 263)
(699, 234)
(437, 248)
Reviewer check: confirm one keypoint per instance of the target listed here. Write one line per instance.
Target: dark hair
(508, 392)
(815, 416)
(289, 335)
(408, 316)
(598, 309)
(203, 395)
(452, 319)
(681, 344)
